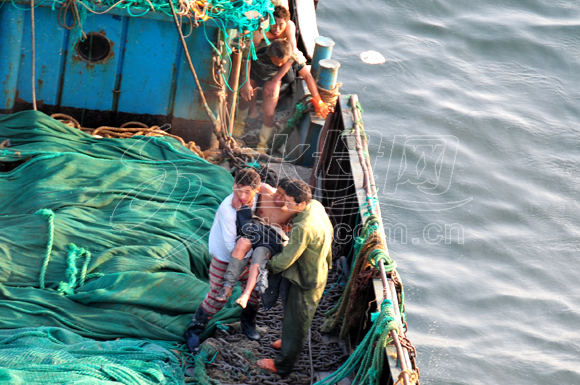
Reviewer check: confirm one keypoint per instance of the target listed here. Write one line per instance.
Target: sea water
(475, 141)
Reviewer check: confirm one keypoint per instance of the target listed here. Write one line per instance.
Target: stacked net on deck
(57, 356)
(103, 237)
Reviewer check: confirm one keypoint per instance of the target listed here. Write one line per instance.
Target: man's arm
(290, 33)
(296, 246)
(247, 91)
(319, 106)
(265, 188)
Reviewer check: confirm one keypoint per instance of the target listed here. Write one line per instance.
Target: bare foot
(224, 294)
(243, 300)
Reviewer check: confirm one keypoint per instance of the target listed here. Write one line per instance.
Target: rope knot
(47, 214)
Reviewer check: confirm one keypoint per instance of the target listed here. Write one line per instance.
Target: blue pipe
(322, 50)
(328, 73)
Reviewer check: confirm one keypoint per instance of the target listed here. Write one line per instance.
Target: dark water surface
(474, 120)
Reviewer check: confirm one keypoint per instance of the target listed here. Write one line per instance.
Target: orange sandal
(268, 364)
(277, 344)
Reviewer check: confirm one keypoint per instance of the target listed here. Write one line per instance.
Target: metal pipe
(383, 278)
(401, 357)
(322, 50)
(398, 314)
(234, 82)
(359, 148)
(328, 73)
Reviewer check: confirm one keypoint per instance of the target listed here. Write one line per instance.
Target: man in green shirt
(305, 262)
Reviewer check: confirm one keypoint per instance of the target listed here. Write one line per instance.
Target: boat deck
(235, 361)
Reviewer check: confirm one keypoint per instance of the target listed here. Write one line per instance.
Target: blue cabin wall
(144, 78)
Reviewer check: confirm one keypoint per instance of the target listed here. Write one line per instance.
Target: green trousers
(298, 314)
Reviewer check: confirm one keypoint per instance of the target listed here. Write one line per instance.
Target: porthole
(95, 48)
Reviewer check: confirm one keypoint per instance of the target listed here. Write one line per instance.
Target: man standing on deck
(304, 262)
(222, 240)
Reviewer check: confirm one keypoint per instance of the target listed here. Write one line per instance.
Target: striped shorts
(217, 269)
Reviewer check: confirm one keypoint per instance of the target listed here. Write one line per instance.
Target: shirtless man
(264, 71)
(283, 29)
(265, 233)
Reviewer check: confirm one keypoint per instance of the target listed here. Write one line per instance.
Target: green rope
(71, 272)
(200, 375)
(368, 358)
(85, 267)
(380, 255)
(49, 216)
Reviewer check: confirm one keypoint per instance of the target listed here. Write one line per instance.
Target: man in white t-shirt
(222, 240)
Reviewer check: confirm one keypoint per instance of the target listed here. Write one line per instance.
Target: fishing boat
(117, 146)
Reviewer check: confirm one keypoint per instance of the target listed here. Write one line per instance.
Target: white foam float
(372, 57)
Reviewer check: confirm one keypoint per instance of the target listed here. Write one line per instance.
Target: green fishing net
(115, 230)
(57, 356)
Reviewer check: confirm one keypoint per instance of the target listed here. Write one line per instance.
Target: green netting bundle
(57, 356)
(119, 225)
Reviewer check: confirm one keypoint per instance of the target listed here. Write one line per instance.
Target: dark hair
(268, 176)
(283, 182)
(296, 189)
(281, 13)
(248, 177)
(281, 49)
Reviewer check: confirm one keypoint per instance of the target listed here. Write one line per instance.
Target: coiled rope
(330, 96)
(125, 131)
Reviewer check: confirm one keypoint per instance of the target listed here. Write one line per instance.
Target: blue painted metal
(187, 98)
(11, 26)
(310, 133)
(90, 85)
(328, 73)
(145, 72)
(48, 45)
(322, 50)
(120, 62)
(62, 64)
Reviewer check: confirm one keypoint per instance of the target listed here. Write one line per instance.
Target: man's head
(293, 193)
(281, 17)
(246, 185)
(280, 51)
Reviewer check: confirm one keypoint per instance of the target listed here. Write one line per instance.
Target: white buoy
(372, 57)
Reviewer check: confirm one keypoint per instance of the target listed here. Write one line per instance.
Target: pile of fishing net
(57, 356)
(104, 237)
